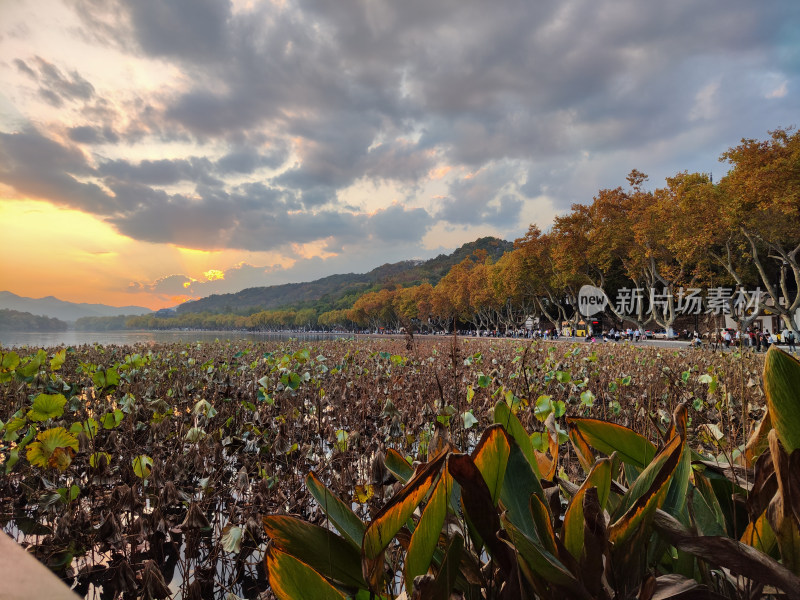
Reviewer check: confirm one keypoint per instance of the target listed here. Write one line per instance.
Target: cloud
(490, 196)
(86, 134)
(357, 127)
(169, 285)
(160, 172)
(246, 160)
(189, 29)
(42, 168)
(54, 86)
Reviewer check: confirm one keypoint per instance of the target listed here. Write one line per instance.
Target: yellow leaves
(363, 493)
(53, 448)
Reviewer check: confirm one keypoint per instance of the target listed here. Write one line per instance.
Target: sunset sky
(157, 150)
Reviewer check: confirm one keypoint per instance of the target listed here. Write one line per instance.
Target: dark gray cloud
(39, 167)
(189, 29)
(246, 160)
(54, 86)
(161, 172)
(489, 196)
(86, 134)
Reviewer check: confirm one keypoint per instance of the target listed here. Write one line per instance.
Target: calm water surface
(10, 339)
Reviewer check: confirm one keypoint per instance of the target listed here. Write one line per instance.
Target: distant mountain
(66, 311)
(339, 291)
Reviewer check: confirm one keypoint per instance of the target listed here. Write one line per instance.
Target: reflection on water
(76, 338)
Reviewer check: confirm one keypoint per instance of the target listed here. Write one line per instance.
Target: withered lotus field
(146, 471)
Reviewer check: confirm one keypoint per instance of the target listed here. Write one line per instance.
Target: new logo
(591, 300)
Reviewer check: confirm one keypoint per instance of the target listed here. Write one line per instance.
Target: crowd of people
(755, 339)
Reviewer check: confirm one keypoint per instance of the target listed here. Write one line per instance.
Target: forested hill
(340, 291)
(15, 320)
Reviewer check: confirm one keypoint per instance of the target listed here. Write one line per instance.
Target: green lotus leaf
(47, 406)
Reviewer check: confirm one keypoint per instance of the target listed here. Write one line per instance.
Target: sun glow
(214, 274)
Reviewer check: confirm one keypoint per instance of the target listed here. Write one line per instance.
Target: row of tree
(742, 232)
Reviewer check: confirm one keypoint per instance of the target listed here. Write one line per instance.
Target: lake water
(10, 339)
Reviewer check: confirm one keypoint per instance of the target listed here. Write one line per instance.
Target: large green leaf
(573, 528)
(10, 361)
(544, 564)
(481, 513)
(398, 466)
(675, 502)
(396, 512)
(708, 515)
(292, 579)
(608, 437)
(344, 519)
(426, 534)
(448, 570)
(105, 378)
(47, 406)
(519, 484)
(53, 448)
(58, 359)
(782, 387)
(317, 547)
(30, 368)
(503, 416)
(646, 494)
(491, 458)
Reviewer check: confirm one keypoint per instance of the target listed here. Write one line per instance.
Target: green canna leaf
(519, 484)
(322, 550)
(398, 466)
(426, 534)
(572, 535)
(544, 564)
(646, 494)
(782, 388)
(290, 579)
(344, 519)
(609, 438)
(491, 458)
(396, 512)
(504, 417)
